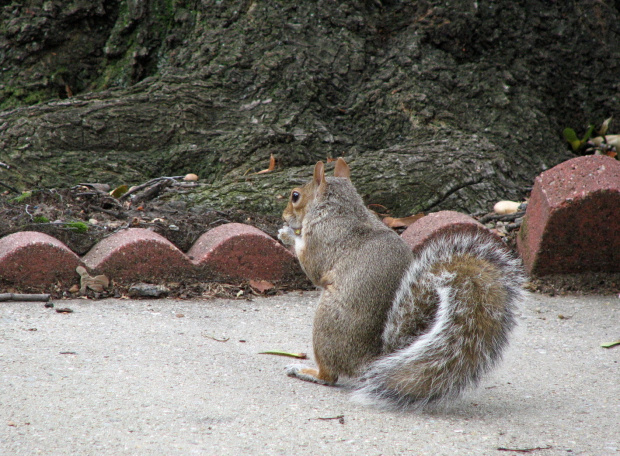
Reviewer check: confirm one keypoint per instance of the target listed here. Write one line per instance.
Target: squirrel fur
(409, 329)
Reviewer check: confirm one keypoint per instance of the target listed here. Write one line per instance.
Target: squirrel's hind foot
(303, 372)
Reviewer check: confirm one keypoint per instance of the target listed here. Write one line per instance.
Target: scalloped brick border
(572, 224)
(241, 251)
(232, 251)
(30, 258)
(138, 254)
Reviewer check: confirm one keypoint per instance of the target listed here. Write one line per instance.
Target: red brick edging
(233, 251)
(572, 224)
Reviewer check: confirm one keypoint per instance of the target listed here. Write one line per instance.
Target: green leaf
(283, 353)
(119, 191)
(571, 137)
(22, 197)
(588, 134)
(611, 344)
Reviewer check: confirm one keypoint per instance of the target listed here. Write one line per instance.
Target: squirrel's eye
(295, 197)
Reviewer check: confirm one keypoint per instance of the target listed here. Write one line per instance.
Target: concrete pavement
(167, 377)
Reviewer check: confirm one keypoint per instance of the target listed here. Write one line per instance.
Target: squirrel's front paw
(287, 235)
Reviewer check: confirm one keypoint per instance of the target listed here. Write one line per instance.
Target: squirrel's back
(359, 262)
(448, 324)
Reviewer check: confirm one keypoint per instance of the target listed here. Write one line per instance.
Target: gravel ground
(123, 377)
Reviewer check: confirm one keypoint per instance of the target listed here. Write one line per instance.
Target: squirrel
(407, 329)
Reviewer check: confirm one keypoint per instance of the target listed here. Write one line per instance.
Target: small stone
(148, 290)
(506, 207)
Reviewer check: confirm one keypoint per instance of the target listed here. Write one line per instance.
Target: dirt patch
(83, 215)
(580, 284)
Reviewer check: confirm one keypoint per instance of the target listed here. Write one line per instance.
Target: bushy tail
(449, 323)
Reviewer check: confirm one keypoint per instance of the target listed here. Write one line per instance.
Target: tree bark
(435, 107)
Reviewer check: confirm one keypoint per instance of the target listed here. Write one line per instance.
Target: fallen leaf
(401, 222)
(605, 126)
(340, 418)
(612, 140)
(283, 353)
(260, 286)
(223, 339)
(272, 166)
(103, 188)
(119, 191)
(370, 206)
(524, 450)
(97, 283)
(611, 344)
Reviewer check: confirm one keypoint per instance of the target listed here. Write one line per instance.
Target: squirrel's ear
(342, 169)
(319, 173)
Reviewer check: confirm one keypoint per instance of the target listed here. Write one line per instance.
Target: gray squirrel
(408, 329)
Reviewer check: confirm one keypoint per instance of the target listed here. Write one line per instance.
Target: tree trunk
(435, 107)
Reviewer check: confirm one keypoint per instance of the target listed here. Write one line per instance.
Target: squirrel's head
(302, 198)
